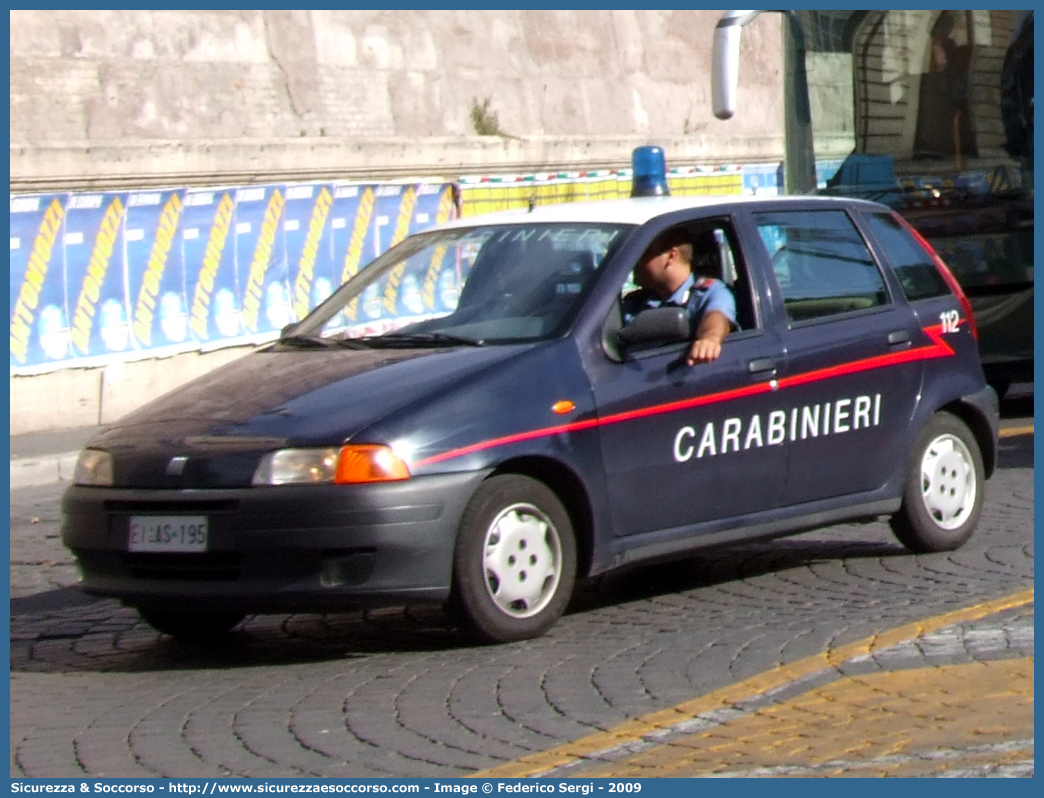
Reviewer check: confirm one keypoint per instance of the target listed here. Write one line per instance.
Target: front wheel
(515, 561)
(942, 500)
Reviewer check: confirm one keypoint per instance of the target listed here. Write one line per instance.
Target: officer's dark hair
(668, 239)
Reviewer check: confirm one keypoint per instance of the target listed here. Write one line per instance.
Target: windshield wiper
(317, 342)
(421, 339)
(304, 341)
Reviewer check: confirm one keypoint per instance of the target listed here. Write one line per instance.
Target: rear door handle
(897, 337)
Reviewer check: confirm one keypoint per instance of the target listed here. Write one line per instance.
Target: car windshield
(475, 285)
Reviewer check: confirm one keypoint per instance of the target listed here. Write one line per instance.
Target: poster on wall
(394, 206)
(39, 306)
(209, 261)
(440, 288)
(350, 219)
(97, 285)
(155, 271)
(261, 268)
(102, 277)
(309, 245)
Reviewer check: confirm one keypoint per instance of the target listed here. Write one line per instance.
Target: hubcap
(948, 485)
(522, 559)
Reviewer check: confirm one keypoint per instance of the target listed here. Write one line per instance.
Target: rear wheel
(190, 625)
(515, 562)
(942, 500)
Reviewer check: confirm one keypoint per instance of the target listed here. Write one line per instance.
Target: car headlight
(346, 465)
(93, 467)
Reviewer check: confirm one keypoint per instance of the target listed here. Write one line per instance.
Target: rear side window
(822, 263)
(917, 274)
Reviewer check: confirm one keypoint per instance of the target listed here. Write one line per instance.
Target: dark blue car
(469, 421)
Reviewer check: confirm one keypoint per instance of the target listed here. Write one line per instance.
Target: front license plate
(168, 533)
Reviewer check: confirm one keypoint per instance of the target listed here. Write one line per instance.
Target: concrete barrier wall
(119, 98)
(88, 397)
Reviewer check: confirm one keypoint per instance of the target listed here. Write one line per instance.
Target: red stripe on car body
(938, 348)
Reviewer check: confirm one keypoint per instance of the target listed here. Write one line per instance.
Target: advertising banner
(309, 241)
(441, 286)
(95, 274)
(99, 277)
(159, 308)
(261, 268)
(352, 215)
(208, 254)
(39, 306)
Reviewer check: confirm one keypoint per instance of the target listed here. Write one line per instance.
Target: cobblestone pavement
(831, 653)
(892, 705)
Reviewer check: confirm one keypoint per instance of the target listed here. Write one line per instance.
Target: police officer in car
(665, 277)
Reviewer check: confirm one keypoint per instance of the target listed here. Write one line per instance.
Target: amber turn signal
(369, 463)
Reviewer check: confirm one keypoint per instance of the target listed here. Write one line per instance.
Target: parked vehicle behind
(987, 242)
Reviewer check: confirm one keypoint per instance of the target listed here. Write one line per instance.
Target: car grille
(210, 567)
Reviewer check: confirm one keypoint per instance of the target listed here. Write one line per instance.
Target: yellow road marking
(890, 723)
(637, 728)
(1011, 432)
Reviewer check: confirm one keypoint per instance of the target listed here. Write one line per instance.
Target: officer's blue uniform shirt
(696, 295)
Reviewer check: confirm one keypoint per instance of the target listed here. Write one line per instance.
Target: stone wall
(122, 98)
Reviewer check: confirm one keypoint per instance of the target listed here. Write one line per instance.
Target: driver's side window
(713, 253)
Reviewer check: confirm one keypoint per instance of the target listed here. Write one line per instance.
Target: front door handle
(762, 367)
(897, 337)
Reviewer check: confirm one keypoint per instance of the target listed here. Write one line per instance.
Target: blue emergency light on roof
(649, 172)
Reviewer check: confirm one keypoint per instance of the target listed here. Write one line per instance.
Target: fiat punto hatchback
(470, 422)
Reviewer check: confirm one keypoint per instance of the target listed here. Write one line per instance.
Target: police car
(469, 421)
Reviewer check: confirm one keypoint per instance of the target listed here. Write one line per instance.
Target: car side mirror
(655, 326)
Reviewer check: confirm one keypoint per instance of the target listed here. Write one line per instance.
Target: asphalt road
(831, 653)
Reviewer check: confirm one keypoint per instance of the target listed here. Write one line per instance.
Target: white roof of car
(636, 210)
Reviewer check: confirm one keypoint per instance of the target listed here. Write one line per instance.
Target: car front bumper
(307, 548)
